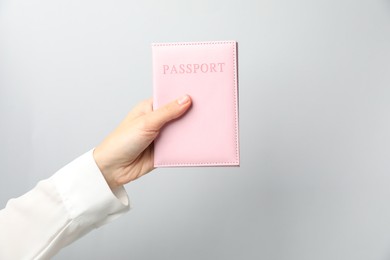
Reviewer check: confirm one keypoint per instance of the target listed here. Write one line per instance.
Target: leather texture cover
(208, 134)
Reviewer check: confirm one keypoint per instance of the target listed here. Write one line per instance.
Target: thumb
(170, 111)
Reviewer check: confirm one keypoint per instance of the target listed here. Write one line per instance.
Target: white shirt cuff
(86, 194)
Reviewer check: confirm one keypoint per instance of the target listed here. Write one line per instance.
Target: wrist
(104, 168)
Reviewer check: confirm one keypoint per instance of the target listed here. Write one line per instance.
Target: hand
(127, 153)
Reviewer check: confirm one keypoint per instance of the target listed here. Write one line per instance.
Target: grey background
(314, 123)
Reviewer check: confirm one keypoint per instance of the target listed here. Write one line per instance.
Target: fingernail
(183, 100)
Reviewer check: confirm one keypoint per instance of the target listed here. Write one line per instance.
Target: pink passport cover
(207, 135)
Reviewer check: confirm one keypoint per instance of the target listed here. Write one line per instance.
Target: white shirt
(58, 211)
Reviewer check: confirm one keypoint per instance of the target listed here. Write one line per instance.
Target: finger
(170, 111)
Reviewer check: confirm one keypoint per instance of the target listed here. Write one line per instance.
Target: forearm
(58, 211)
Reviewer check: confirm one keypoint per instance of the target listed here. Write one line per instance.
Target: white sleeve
(58, 211)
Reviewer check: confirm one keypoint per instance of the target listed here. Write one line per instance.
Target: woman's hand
(127, 153)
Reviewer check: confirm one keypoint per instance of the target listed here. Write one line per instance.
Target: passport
(207, 135)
